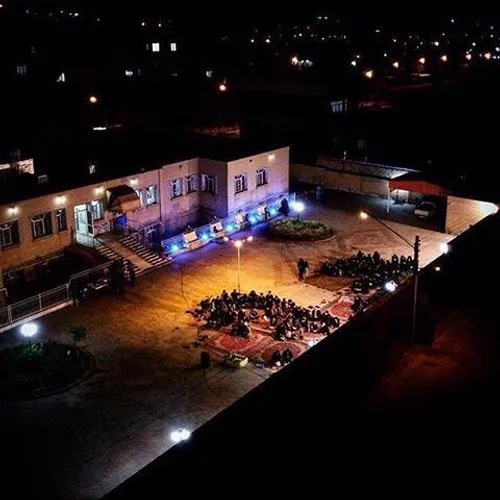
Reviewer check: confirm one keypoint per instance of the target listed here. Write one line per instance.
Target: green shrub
(300, 229)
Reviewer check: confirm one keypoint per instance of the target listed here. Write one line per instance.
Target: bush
(298, 229)
(31, 370)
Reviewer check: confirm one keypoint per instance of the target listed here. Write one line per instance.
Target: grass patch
(300, 229)
(31, 370)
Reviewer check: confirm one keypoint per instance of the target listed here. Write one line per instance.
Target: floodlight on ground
(29, 330)
(437, 269)
(444, 247)
(390, 286)
(250, 238)
(180, 435)
(297, 206)
(363, 215)
(238, 243)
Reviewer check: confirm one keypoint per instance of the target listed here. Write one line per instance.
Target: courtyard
(147, 380)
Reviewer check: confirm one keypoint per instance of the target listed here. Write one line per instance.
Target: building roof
(418, 182)
(116, 153)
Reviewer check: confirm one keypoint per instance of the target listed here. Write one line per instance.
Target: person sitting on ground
(276, 359)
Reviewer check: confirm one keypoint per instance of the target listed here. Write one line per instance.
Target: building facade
(158, 203)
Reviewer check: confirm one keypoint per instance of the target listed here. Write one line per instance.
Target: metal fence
(33, 305)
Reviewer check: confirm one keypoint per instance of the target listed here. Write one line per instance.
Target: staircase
(111, 254)
(137, 244)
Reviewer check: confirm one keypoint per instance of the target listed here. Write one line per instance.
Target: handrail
(112, 250)
(132, 230)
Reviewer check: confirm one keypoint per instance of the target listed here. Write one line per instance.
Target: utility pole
(416, 254)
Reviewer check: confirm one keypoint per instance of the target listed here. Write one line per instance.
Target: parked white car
(425, 210)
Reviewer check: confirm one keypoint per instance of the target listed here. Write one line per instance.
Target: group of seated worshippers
(281, 358)
(287, 320)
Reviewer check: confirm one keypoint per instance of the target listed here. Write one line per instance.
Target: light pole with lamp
(298, 207)
(94, 101)
(238, 244)
(416, 253)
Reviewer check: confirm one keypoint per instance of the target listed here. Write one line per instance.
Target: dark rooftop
(115, 153)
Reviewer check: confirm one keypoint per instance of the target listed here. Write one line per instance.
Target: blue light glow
(174, 248)
(204, 236)
(273, 211)
(252, 219)
(229, 227)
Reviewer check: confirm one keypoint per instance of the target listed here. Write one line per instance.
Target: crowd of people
(371, 270)
(286, 319)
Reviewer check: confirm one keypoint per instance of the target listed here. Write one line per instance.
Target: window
(209, 73)
(61, 78)
(173, 47)
(97, 208)
(240, 183)
(92, 169)
(9, 234)
(155, 47)
(21, 70)
(175, 188)
(151, 195)
(62, 225)
(191, 183)
(261, 177)
(41, 225)
(208, 183)
(129, 72)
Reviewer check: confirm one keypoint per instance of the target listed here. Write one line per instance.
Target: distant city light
(437, 269)
(487, 55)
(29, 330)
(93, 99)
(468, 57)
(222, 87)
(354, 63)
(390, 286)
(422, 60)
(369, 73)
(444, 58)
(436, 43)
(395, 64)
(295, 60)
(268, 40)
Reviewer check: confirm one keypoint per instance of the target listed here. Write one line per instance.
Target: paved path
(82, 443)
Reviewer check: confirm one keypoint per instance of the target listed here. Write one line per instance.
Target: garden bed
(300, 230)
(37, 369)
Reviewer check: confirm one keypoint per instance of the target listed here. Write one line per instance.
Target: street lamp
(416, 251)
(369, 74)
(93, 99)
(238, 244)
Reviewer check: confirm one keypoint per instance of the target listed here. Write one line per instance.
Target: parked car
(425, 210)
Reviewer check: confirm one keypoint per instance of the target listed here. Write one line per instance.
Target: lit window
(261, 177)
(92, 169)
(361, 144)
(21, 70)
(62, 78)
(208, 183)
(191, 184)
(41, 225)
(175, 188)
(209, 73)
(62, 224)
(97, 208)
(155, 47)
(151, 195)
(173, 47)
(9, 234)
(240, 183)
(129, 72)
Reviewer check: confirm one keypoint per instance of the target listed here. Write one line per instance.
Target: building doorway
(84, 223)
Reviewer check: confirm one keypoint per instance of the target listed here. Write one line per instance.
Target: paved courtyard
(147, 380)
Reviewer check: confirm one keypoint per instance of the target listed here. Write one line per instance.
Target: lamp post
(298, 207)
(238, 244)
(94, 101)
(416, 252)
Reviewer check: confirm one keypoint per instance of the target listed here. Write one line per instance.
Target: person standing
(301, 266)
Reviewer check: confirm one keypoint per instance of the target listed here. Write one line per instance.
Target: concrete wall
(214, 204)
(177, 213)
(341, 181)
(461, 213)
(277, 164)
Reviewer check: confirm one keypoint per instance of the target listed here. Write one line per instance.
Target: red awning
(418, 186)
